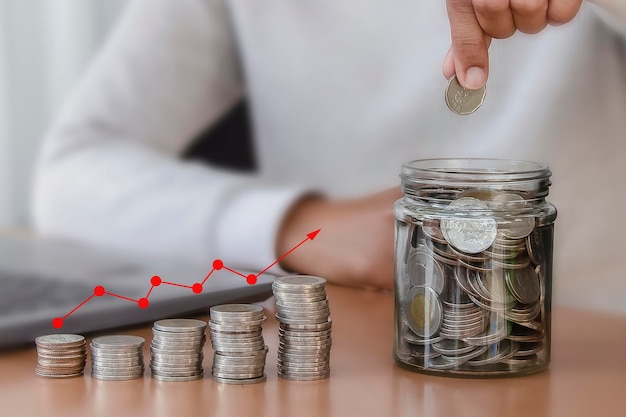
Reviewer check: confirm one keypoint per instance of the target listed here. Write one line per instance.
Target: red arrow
(309, 236)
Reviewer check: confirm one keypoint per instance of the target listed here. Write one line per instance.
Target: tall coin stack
(60, 355)
(304, 329)
(237, 338)
(177, 349)
(117, 357)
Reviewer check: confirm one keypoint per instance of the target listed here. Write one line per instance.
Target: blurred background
(44, 47)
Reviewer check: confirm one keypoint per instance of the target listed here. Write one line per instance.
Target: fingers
(471, 61)
(448, 64)
(562, 11)
(473, 23)
(495, 17)
(531, 16)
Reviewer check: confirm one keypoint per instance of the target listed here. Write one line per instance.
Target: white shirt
(342, 93)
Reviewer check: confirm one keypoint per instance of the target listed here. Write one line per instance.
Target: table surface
(587, 377)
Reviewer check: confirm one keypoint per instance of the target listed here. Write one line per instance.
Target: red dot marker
(197, 288)
(143, 303)
(57, 323)
(156, 280)
(251, 279)
(218, 264)
(98, 291)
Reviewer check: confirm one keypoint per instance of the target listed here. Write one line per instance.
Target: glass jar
(473, 267)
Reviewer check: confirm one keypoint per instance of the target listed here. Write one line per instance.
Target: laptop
(88, 288)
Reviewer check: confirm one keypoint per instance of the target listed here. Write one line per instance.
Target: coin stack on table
(304, 329)
(176, 349)
(237, 338)
(60, 355)
(117, 357)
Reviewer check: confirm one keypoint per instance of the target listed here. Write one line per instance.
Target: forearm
(124, 195)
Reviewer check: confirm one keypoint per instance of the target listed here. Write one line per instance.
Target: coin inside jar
(423, 311)
(423, 269)
(472, 232)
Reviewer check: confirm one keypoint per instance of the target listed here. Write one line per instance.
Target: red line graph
(197, 288)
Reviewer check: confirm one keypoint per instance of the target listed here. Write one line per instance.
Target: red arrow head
(313, 234)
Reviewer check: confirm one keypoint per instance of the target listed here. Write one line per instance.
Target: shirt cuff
(247, 229)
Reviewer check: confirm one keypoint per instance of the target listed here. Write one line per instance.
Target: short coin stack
(176, 349)
(60, 355)
(117, 357)
(305, 328)
(240, 350)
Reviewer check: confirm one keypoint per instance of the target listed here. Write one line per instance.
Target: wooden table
(587, 377)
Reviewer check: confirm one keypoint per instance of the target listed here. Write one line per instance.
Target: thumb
(469, 45)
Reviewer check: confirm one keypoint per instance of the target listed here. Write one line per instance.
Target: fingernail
(474, 78)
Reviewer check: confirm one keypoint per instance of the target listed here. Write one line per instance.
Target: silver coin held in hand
(461, 100)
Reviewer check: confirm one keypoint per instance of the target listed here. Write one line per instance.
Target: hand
(355, 246)
(473, 23)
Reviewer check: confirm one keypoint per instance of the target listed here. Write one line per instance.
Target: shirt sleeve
(109, 170)
(612, 12)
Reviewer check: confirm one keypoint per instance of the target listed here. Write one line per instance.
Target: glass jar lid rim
(485, 169)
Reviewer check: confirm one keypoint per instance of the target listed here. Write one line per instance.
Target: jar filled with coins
(473, 267)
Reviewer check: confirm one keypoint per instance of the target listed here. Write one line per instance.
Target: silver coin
(524, 285)
(534, 325)
(423, 269)
(450, 347)
(439, 363)
(299, 283)
(525, 334)
(313, 333)
(315, 361)
(118, 341)
(534, 247)
(117, 362)
(180, 325)
(522, 361)
(116, 377)
(58, 376)
(514, 227)
(423, 351)
(528, 349)
(498, 330)
(433, 232)
(177, 378)
(307, 327)
(114, 370)
(480, 257)
(471, 232)
(236, 310)
(461, 100)
(462, 358)
(262, 378)
(495, 353)
(414, 339)
(60, 340)
(304, 377)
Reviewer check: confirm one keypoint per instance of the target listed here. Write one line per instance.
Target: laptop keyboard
(22, 293)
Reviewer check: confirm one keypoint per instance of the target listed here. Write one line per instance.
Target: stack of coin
(176, 349)
(60, 355)
(117, 357)
(304, 329)
(240, 350)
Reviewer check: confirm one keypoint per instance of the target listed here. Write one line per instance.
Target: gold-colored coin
(423, 310)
